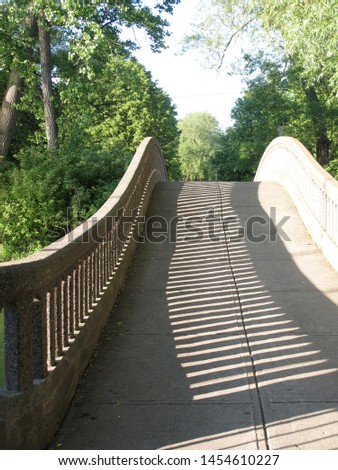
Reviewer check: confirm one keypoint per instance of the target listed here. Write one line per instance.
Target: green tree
(101, 122)
(200, 140)
(103, 102)
(120, 105)
(305, 31)
(84, 25)
(273, 98)
(44, 198)
(231, 162)
(296, 34)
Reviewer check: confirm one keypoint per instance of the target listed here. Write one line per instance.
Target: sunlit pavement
(224, 337)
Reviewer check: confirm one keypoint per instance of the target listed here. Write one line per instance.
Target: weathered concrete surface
(32, 406)
(29, 420)
(314, 192)
(217, 341)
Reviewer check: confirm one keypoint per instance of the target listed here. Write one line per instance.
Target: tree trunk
(8, 113)
(46, 84)
(12, 98)
(323, 143)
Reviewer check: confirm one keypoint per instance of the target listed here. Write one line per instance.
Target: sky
(191, 87)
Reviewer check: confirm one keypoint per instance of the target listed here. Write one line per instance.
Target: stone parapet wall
(57, 301)
(313, 190)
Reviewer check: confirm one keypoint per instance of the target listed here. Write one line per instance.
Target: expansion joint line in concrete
(237, 293)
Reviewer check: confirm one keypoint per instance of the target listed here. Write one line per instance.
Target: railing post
(39, 339)
(18, 344)
(314, 191)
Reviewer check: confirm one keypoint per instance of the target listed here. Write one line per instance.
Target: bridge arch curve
(314, 192)
(57, 301)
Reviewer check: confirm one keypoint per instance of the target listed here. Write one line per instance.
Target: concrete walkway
(224, 339)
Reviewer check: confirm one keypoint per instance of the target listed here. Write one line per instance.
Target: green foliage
(101, 121)
(293, 79)
(81, 33)
(50, 194)
(332, 168)
(121, 104)
(309, 31)
(273, 97)
(105, 102)
(130, 106)
(305, 32)
(200, 140)
(84, 23)
(234, 161)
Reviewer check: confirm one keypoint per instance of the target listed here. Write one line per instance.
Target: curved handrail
(313, 190)
(63, 282)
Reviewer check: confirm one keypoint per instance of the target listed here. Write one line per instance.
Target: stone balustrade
(57, 301)
(313, 190)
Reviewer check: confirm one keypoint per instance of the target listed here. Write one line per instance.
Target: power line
(204, 95)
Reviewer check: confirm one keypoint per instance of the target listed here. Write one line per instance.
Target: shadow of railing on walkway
(226, 317)
(204, 349)
(56, 302)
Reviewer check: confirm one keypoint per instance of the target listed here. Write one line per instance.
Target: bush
(332, 168)
(49, 194)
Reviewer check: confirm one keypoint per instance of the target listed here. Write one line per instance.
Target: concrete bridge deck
(218, 340)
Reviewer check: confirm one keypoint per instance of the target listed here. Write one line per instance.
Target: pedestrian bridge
(223, 335)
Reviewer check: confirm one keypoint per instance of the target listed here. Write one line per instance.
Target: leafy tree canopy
(289, 57)
(274, 102)
(299, 30)
(34, 32)
(105, 104)
(200, 139)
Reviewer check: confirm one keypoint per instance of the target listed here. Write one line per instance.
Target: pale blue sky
(191, 87)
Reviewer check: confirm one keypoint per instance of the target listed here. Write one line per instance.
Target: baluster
(322, 209)
(83, 290)
(76, 299)
(98, 261)
(80, 294)
(51, 315)
(106, 258)
(103, 266)
(72, 304)
(96, 276)
(18, 344)
(110, 255)
(108, 262)
(66, 311)
(117, 242)
(89, 283)
(113, 250)
(138, 205)
(114, 247)
(39, 338)
(130, 216)
(328, 217)
(59, 318)
(92, 275)
(100, 268)
(126, 223)
(103, 262)
(119, 239)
